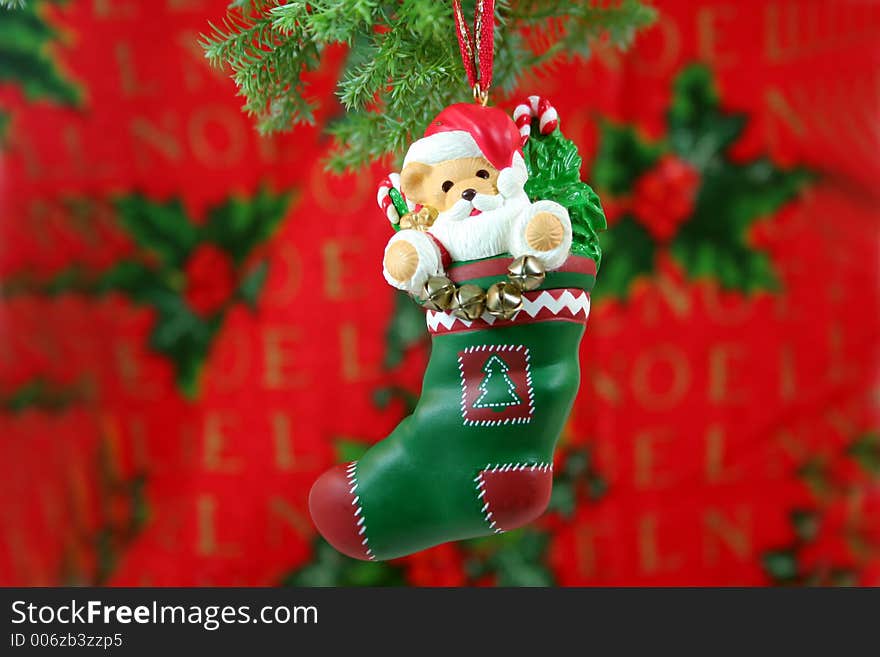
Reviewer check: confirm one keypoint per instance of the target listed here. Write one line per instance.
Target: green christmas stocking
(505, 274)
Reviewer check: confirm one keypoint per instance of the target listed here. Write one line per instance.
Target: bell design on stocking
(475, 457)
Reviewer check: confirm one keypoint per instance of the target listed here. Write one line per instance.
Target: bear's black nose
(469, 194)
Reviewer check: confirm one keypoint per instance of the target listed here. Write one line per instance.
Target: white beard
(484, 235)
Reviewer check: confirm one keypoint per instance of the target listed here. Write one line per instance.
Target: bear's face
(442, 185)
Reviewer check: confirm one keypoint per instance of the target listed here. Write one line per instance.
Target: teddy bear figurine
(469, 170)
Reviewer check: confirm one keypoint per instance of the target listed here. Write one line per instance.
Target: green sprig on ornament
(554, 167)
(686, 196)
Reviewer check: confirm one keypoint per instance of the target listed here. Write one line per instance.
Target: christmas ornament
(503, 271)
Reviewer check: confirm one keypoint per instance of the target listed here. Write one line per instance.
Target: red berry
(210, 279)
(664, 197)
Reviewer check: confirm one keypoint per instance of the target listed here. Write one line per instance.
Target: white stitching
(529, 383)
(351, 474)
(505, 467)
(502, 467)
(487, 514)
(495, 423)
(463, 387)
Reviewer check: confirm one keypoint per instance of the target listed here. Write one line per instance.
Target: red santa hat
(468, 130)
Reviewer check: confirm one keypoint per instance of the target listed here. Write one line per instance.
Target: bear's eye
(482, 173)
(446, 186)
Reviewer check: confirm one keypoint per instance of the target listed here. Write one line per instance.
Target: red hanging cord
(477, 49)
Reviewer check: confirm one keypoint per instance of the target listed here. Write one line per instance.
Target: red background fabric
(705, 410)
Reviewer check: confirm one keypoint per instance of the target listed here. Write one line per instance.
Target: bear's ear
(412, 180)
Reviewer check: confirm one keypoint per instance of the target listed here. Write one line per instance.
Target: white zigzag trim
(579, 303)
(576, 304)
(351, 473)
(502, 467)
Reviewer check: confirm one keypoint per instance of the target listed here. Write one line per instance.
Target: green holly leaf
(384, 395)
(734, 266)
(698, 130)
(781, 565)
(806, 524)
(159, 228)
(74, 278)
(135, 279)
(563, 499)
(814, 473)
(329, 568)
(252, 284)
(182, 336)
(713, 243)
(405, 330)
(843, 577)
(25, 55)
(515, 558)
(519, 559)
(597, 487)
(866, 451)
(239, 225)
(623, 156)
(236, 226)
(178, 333)
(349, 449)
(44, 395)
(577, 478)
(554, 167)
(628, 255)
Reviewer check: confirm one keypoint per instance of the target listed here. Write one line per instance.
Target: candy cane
(535, 107)
(387, 203)
(383, 197)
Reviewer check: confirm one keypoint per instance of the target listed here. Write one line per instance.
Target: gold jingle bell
(422, 220)
(469, 302)
(504, 300)
(438, 292)
(527, 272)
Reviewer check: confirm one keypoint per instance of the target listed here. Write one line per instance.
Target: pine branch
(403, 63)
(267, 62)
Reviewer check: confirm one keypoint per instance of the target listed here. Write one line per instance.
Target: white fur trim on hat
(442, 146)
